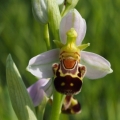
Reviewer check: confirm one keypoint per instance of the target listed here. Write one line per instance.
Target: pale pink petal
(72, 19)
(41, 65)
(37, 93)
(97, 66)
(48, 88)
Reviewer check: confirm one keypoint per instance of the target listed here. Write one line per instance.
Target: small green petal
(83, 46)
(58, 43)
(20, 99)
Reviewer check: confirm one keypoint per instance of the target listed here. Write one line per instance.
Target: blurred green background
(21, 35)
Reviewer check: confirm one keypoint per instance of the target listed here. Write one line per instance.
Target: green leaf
(19, 96)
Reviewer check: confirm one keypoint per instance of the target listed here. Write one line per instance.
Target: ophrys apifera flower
(68, 63)
(96, 65)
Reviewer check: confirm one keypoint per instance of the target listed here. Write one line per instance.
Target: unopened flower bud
(40, 10)
(59, 2)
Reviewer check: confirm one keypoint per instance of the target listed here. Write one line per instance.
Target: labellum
(68, 74)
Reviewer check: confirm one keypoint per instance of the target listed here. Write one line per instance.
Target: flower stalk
(54, 22)
(41, 109)
(46, 37)
(56, 106)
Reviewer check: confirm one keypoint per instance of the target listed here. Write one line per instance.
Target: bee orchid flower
(97, 66)
(68, 63)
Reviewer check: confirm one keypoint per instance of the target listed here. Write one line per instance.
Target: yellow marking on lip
(62, 84)
(71, 84)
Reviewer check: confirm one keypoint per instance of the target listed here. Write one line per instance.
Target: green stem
(54, 22)
(46, 37)
(41, 109)
(56, 106)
